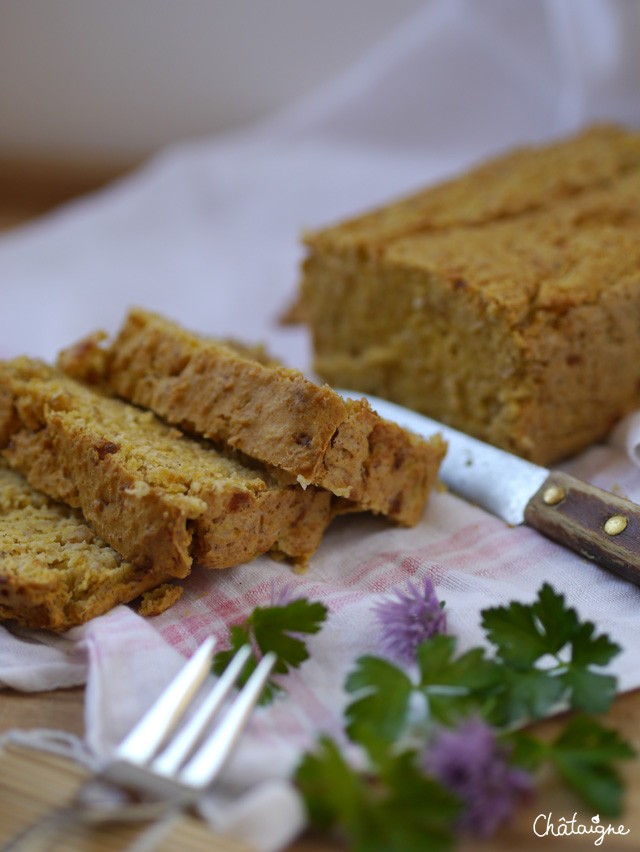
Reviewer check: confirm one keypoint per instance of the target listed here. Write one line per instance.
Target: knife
(594, 523)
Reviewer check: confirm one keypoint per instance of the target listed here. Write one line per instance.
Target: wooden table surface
(29, 189)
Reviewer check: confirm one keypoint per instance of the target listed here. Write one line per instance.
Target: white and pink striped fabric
(209, 233)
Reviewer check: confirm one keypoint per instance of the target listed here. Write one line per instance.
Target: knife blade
(593, 522)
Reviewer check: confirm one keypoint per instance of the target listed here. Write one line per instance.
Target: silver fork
(162, 766)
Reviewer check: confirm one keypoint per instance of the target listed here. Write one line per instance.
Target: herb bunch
(440, 736)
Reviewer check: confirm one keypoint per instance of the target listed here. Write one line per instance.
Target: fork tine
(176, 752)
(211, 756)
(145, 738)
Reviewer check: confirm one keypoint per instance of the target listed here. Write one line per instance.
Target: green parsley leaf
(515, 632)
(527, 636)
(587, 649)
(333, 792)
(525, 749)
(584, 755)
(275, 629)
(417, 812)
(380, 714)
(558, 623)
(454, 686)
(590, 691)
(279, 629)
(400, 810)
(523, 633)
(525, 694)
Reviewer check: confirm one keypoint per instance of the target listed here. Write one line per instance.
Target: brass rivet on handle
(615, 524)
(553, 495)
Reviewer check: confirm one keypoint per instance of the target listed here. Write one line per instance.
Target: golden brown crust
(55, 572)
(514, 183)
(159, 498)
(505, 303)
(269, 413)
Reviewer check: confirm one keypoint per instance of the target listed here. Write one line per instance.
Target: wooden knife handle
(593, 522)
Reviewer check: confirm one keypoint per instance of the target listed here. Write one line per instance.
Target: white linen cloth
(208, 233)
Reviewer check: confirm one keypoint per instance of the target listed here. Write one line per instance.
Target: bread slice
(272, 414)
(159, 498)
(55, 572)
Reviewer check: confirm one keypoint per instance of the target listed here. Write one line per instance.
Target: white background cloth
(208, 233)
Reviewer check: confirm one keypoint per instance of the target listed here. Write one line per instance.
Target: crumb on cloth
(159, 599)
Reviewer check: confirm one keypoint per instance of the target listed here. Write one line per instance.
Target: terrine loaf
(159, 498)
(270, 413)
(505, 302)
(55, 572)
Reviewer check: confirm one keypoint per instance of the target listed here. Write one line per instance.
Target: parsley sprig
(527, 635)
(281, 629)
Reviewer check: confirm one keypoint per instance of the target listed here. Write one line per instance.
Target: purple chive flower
(469, 762)
(410, 619)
